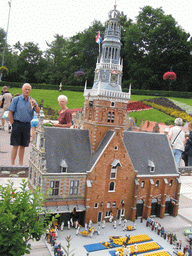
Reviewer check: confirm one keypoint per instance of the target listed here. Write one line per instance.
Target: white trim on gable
(102, 152)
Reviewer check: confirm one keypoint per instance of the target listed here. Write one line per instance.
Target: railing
(107, 93)
(109, 66)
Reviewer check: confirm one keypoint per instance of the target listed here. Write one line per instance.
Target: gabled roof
(73, 145)
(142, 146)
(100, 149)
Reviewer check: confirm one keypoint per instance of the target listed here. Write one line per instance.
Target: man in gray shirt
(5, 100)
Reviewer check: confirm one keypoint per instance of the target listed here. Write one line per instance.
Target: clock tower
(106, 104)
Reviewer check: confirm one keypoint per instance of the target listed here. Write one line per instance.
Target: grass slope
(76, 100)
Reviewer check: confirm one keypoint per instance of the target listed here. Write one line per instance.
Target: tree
(83, 52)
(2, 39)
(29, 62)
(155, 44)
(21, 218)
(56, 59)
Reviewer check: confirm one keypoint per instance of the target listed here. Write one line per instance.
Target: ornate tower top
(114, 14)
(108, 72)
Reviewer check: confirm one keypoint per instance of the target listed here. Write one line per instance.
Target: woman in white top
(177, 138)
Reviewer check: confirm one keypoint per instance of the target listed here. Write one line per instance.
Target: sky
(39, 20)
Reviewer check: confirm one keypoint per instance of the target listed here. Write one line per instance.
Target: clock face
(104, 77)
(114, 79)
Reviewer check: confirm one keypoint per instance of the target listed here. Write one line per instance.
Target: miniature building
(104, 169)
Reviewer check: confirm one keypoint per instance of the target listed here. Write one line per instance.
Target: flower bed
(141, 248)
(133, 239)
(165, 103)
(170, 111)
(185, 107)
(137, 106)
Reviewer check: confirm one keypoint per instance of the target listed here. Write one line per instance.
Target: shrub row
(43, 86)
(161, 93)
(81, 89)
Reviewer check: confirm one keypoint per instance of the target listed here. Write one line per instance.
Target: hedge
(81, 89)
(43, 86)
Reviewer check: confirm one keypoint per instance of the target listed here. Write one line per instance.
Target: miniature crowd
(127, 248)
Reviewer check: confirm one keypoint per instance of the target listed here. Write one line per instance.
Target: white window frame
(54, 185)
(107, 214)
(142, 184)
(113, 188)
(74, 187)
(123, 212)
(108, 205)
(96, 205)
(113, 171)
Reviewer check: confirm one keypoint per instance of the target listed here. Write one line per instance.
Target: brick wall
(100, 177)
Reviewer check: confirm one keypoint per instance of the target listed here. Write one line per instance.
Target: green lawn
(76, 100)
(151, 115)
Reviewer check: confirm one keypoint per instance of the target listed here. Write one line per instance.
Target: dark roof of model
(154, 147)
(71, 145)
(106, 139)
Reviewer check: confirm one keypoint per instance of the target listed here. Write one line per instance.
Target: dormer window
(113, 173)
(116, 163)
(63, 166)
(151, 166)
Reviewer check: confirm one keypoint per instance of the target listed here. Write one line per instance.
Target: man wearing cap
(21, 111)
(5, 100)
(177, 139)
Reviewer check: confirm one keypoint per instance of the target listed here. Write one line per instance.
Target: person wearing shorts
(21, 111)
(34, 123)
(5, 101)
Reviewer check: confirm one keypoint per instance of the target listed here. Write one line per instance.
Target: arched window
(112, 53)
(116, 53)
(109, 117)
(171, 183)
(108, 205)
(106, 52)
(109, 52)
(142, 184)
(115, 26)
(157, 183)
(112, 186)
(112, 117)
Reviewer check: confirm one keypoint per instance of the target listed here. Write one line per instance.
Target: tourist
(34, 123)
(177, 138)
(5, 101)
(21, 111)
(65, 117)
(188, 146)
